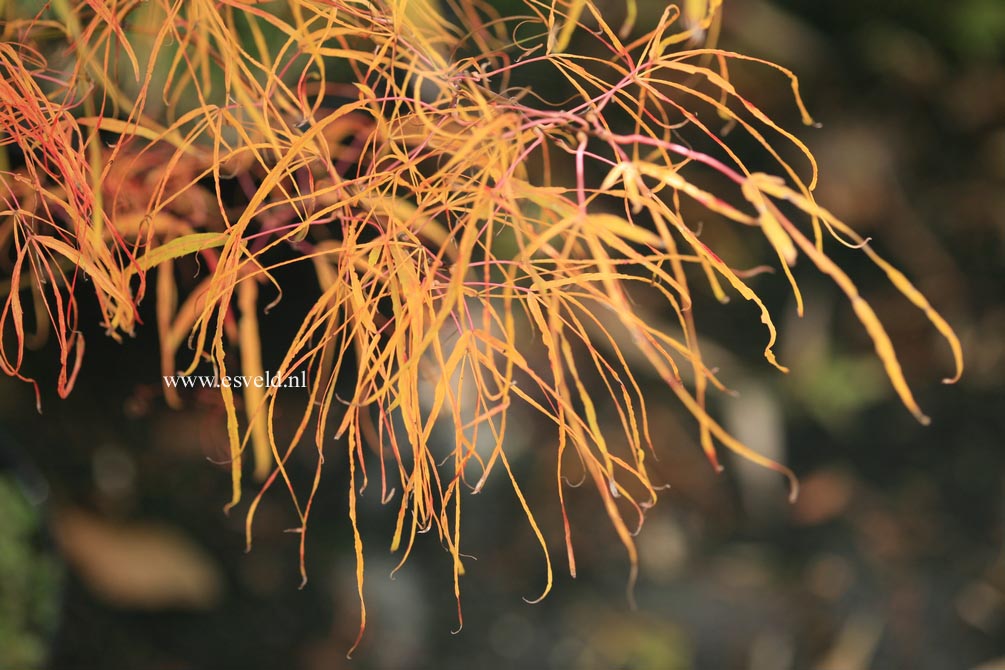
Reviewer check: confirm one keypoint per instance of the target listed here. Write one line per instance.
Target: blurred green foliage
(30, 582)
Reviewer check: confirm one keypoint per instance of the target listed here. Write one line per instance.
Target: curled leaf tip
(532, 601)
(793, 490)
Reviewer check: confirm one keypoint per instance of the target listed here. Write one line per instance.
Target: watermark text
(268, 380)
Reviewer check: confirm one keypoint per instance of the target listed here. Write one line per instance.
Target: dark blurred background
(115, 552)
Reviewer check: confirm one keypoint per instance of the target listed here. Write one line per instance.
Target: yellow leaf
(180, 246)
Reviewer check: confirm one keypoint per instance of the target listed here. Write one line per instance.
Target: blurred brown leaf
(995, 664)
(824, 495)
(140, 565)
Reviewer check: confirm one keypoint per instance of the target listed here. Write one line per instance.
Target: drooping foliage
(480, 238)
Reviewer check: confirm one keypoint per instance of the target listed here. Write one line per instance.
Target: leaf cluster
(468, 259)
